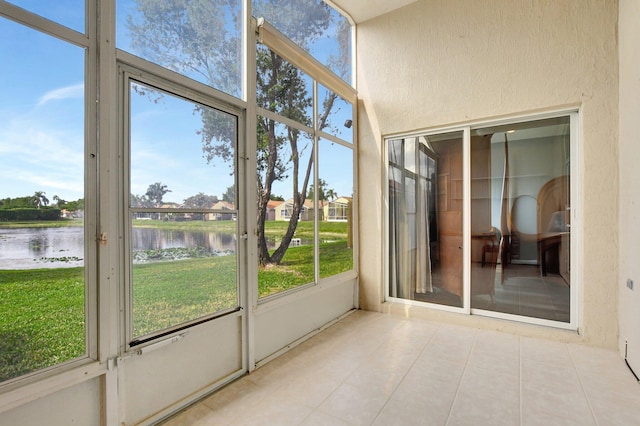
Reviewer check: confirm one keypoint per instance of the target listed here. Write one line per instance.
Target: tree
(331, 194)
(40, 199)
(140, 201)
(156, 192)
(200, 201)
(59, 201)
(191, 37)
(323, 193)
(230, 195)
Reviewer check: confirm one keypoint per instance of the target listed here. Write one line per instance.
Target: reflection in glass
(42, 234)
(336, 199)
(520, 219)
(425, 219)
(199, 39)
(314, 26)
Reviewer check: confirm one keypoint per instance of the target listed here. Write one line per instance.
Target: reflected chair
(492, 247)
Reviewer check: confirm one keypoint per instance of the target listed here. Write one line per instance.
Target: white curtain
(409, 245)
(423, 249)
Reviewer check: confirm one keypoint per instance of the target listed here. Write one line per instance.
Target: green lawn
(42, 311)
(41, 319)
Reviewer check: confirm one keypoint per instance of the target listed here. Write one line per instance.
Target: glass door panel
(520, 221)
(182, 211)
(425, 218)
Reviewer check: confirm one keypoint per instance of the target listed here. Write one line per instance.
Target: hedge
(10, 215)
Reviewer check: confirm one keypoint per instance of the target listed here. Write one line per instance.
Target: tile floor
(377, 369)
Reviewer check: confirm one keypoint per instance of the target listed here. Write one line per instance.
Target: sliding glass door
(511, 210)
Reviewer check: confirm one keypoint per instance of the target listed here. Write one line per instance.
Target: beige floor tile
(318, 418)
(497, 343)
(572, 403)
(196, 415)
(496, 362)
(474, 410)
(548, 419)
(401, 413)
(355, 405)
(483, 382)
(431, 394)
(545, 351)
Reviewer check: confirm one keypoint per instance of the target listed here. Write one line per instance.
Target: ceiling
(363, 10)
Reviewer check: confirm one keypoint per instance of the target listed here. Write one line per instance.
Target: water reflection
(31, 248)
(194, 243)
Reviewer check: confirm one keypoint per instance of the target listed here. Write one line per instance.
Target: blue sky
(42, 122)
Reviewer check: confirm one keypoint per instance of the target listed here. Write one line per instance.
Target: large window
(199, 39)
(43, 279)
(517, 246)
(305, 162)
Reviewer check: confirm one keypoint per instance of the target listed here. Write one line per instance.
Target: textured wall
(630, 175)
(440, 62)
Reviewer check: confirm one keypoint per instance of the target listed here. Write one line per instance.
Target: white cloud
(75, 91)
(35, 157)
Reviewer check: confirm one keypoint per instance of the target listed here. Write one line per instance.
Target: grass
(42, 311)
(41, 319)
(61, 223)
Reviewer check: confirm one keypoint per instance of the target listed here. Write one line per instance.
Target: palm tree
(331, 194)
(59, 201)
(155, 193)
(40, 199)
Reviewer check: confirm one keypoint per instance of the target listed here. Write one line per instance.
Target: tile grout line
(407, 372)
(341, 382)
(521, 381)
(584, 391)
(464, 370)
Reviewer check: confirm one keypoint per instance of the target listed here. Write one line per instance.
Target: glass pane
(314, 26)
(182, 270)
(42, 251)
(425, 219)
(199, 39)
(285, 206)
(336, 198)
(520, 219)
(335, 115)
(181, 152)
(70, 13)
(182, 157)
(283, 88)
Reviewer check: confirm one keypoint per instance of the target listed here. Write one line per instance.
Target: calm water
(29, 248)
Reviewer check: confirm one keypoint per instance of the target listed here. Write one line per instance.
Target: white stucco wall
(440, 62)
(630, 177)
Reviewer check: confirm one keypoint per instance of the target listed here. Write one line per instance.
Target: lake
(31, 248)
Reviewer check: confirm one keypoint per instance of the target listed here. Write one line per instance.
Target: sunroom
(464, 162)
